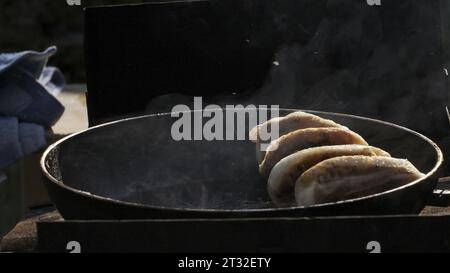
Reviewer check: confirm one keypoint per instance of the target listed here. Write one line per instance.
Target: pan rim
(54, 146)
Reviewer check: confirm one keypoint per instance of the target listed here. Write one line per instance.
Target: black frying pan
(133, 169)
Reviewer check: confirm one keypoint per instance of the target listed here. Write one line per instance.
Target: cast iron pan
(133, 169)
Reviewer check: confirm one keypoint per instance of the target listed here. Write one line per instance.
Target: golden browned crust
(304, 139)
(283, 176)
(349, 177)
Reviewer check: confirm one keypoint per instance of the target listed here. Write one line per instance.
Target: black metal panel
(138, 52)
(343, 56)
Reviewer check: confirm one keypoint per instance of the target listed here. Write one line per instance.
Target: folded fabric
(31, 137)
(13, 99)
(53, 80)
(28, 87)
(27, 102)
(30, 62)
(10, 148)
(44, 109)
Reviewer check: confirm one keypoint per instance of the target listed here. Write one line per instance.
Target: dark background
(36, 24)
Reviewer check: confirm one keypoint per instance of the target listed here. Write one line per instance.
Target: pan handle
(441, 195)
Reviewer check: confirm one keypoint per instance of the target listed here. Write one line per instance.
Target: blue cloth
(10, 148)
(27, 85)
(30, 62)
(53, 80)
(31, 137)
(27, 102)
(44, 108)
